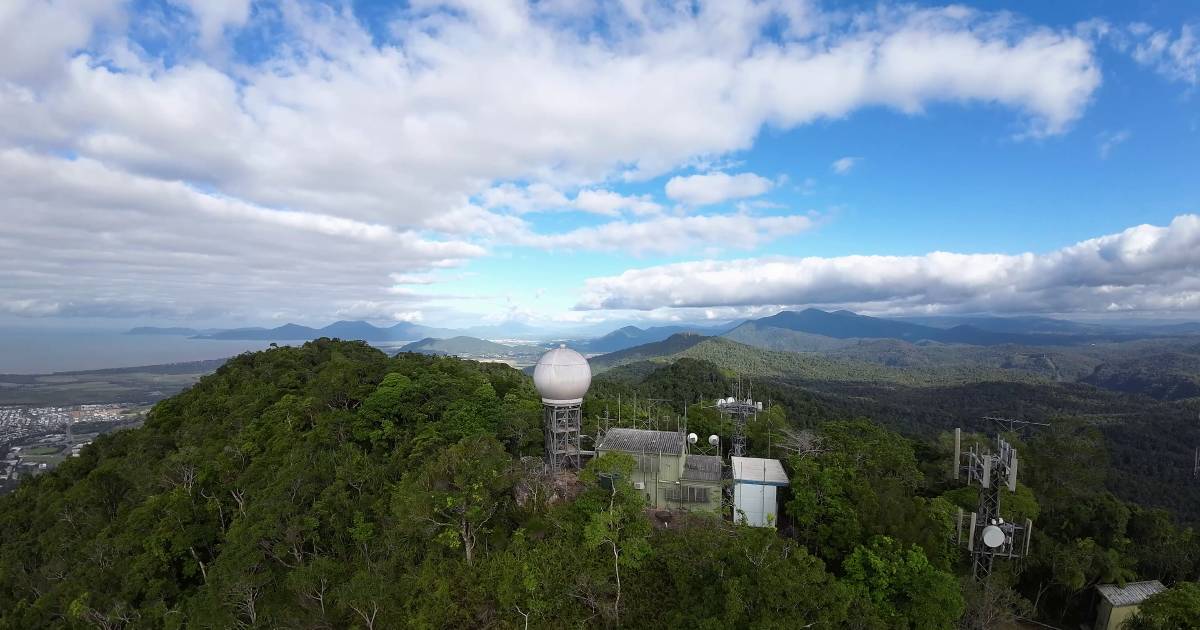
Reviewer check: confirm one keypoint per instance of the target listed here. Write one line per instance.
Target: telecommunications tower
(562, 377)
(741, 410)
(988, 536)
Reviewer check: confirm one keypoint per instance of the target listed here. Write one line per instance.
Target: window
(689, 494)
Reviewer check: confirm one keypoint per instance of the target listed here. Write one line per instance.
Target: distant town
(36, 439)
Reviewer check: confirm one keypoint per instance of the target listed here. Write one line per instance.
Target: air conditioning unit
(639, 485)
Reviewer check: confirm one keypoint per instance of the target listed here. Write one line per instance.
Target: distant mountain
(286, 332)
(348, 330)
(848, 325)
(630, 336)
(671, 345)
(461, 345)
(1185, 328)
(759, 335)
(510, 329)
(1026, 324)
(155, 330)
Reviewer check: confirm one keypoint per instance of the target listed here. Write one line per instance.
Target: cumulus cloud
(338, 154)
(710, 188)
(334, 122)
(83, 239)
(1144, 268)
(843, 166)
(1176, 57)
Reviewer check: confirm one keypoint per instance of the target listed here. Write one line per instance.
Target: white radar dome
(562, 376)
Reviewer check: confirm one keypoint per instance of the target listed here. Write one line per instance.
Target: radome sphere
(562, 376)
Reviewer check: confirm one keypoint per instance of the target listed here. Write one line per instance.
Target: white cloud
(673, 235)
(214, 16)
(339, 155)
(85, 239)
(541, 197)
(612, 203)
(1108, 140)
(1175, 57)
(402, 130)
(843, 166)
(711, 188)
(36, 36)
(1144, 268)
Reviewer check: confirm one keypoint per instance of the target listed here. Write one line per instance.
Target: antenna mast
(988, 535)
(1014, 425)
(741, 410)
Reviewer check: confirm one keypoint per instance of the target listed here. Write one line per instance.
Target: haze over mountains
(809, 329)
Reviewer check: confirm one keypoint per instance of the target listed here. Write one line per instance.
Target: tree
(1175, 608)
(901, 588)
(458, 493)
(615, 520)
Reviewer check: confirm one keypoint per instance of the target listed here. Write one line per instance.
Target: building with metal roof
(1119, 603)
(755, 484)
(666, 473)
(642, 441)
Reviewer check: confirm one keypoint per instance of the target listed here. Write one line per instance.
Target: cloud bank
(1144, 268)
(148, 168)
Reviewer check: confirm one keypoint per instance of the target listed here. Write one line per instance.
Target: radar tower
(562, 377)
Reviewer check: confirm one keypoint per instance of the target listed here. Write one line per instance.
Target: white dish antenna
(713, 440)
(692, 437)
(993, 536)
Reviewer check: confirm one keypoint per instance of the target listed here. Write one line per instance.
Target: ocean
(39, 351)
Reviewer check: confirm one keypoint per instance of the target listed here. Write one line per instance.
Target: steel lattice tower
(988, 535)
(562, 428)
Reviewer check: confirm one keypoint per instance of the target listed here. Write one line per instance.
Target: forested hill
(330, 485)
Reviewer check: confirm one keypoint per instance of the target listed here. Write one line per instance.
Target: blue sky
(242, 162)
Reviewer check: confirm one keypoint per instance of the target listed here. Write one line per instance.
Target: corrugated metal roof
(702, 468)
(1133, 594)
(767, 472)
(642, 441)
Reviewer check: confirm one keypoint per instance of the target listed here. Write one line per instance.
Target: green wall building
(670, 478)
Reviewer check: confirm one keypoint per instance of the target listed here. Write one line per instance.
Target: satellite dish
(713, 440)
(993, 536)
(720, 402)
(692, 437)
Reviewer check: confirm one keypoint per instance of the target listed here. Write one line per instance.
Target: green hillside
(919, 367)
(459, 345)
(1162, 375)
(332, 486)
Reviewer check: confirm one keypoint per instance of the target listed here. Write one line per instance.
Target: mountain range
(809, 330)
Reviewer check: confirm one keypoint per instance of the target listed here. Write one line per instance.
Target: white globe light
(562, 376)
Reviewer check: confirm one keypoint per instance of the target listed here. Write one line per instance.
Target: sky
(244, 162)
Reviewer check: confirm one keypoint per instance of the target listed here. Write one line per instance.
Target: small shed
(754, 491)
(1118, 604)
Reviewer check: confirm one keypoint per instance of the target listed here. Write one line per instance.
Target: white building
(754, 492)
